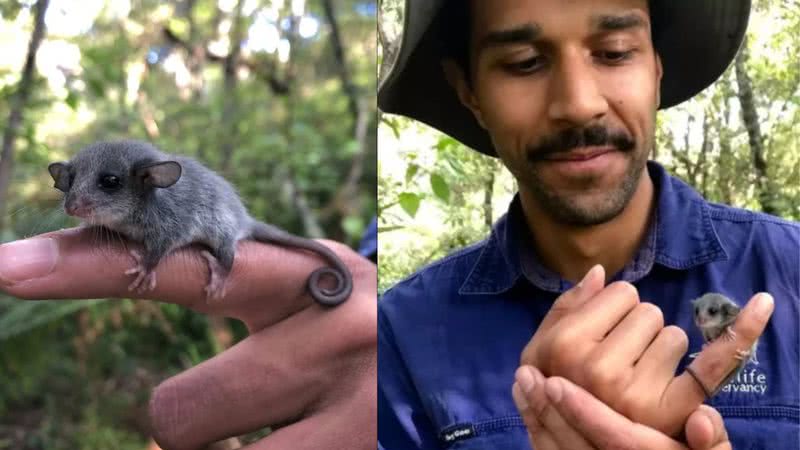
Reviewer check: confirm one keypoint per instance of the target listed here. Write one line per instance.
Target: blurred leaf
(72, 99)
(394, 125)
(411, 171)
(353, 225)
(440, 187)
(180, 27)
(409, 202)
(23, 316)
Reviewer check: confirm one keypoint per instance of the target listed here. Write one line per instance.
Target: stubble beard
(584, 210)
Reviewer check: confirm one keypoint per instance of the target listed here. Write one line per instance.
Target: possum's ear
(731, 309)
(60, 173)
(161, 174)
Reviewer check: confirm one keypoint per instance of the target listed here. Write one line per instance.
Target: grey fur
(199, 207)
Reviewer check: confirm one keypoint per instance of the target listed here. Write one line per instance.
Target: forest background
(276, 95)
(736, 143)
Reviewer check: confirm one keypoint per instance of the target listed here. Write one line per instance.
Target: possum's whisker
(44, 222)
(19, 211)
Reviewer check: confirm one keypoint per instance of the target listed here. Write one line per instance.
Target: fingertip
(705, 428)
(27, 259)
(524, 377)
(554, 388)
(764, 306)
(519, 398)
(591, 277)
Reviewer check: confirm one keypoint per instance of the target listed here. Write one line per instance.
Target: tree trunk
(755, 139)
(230, 103)
(345, 201)
(726, 159)
(701, 169)
(18, 104)
(295, 196)
(488, 194)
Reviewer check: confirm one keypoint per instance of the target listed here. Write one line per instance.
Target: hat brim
(696, 40)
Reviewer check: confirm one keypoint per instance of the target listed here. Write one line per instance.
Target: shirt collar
(680, 236)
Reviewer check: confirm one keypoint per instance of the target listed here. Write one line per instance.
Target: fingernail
(27, 259)
(554, 391)
(525, 379)
(519, 397)
(764, 306)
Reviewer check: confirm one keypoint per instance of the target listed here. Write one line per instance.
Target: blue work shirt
(368, 247)
(450, 336)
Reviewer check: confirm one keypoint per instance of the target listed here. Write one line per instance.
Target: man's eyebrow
(520, 34)
(609, 22)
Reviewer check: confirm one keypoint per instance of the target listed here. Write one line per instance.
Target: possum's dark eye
(109, 182)
(696, 311)
(713, 311)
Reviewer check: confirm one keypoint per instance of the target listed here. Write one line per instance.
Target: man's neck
(571, 251)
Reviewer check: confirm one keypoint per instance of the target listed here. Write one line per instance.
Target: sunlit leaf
(410, 203)
(440, 187)
(411, 171)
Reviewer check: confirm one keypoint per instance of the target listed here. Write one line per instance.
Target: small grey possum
(166, 202)
(714, 314)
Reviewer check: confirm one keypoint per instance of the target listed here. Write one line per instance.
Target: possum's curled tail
(263, 232)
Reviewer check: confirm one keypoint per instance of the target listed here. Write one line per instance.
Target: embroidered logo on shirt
(750, 380)
(457, 433)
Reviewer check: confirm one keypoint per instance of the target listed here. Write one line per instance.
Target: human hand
(561, 415)
(303, 364)
(617, 348)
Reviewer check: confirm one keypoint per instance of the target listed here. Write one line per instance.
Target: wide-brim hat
(696, 40)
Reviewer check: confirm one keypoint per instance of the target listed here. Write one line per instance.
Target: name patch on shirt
(457, 433)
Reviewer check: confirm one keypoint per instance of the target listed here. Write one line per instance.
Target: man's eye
(614, 57)
(526, 66)
(109, 182)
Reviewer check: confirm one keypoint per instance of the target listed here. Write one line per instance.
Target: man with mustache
(551, 332)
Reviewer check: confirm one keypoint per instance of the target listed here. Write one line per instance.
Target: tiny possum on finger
(166, 202)
(714, 315)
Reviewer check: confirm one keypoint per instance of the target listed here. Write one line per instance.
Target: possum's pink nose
(78, 208)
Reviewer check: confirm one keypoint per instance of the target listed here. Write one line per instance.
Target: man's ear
(161, 174)
(659, 74)
(60, 173)
(457, 80)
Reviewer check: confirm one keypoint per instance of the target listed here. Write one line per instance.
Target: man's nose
(575, 97)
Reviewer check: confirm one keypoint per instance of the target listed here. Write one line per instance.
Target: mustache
(572, 138)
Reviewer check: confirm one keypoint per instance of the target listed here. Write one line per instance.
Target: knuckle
(529, 354)
(564, 347)
(363, 324)
(653, 313)
(624, 290)
(631, 404)
(603, 376)
(677, 336)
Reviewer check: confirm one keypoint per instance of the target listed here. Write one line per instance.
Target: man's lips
(581, 154)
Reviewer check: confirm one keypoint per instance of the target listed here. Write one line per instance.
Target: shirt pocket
(762, 427)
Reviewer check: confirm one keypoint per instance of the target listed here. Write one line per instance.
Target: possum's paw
(743, 355)
(145, 279)
(729, 334)
(215, 289)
